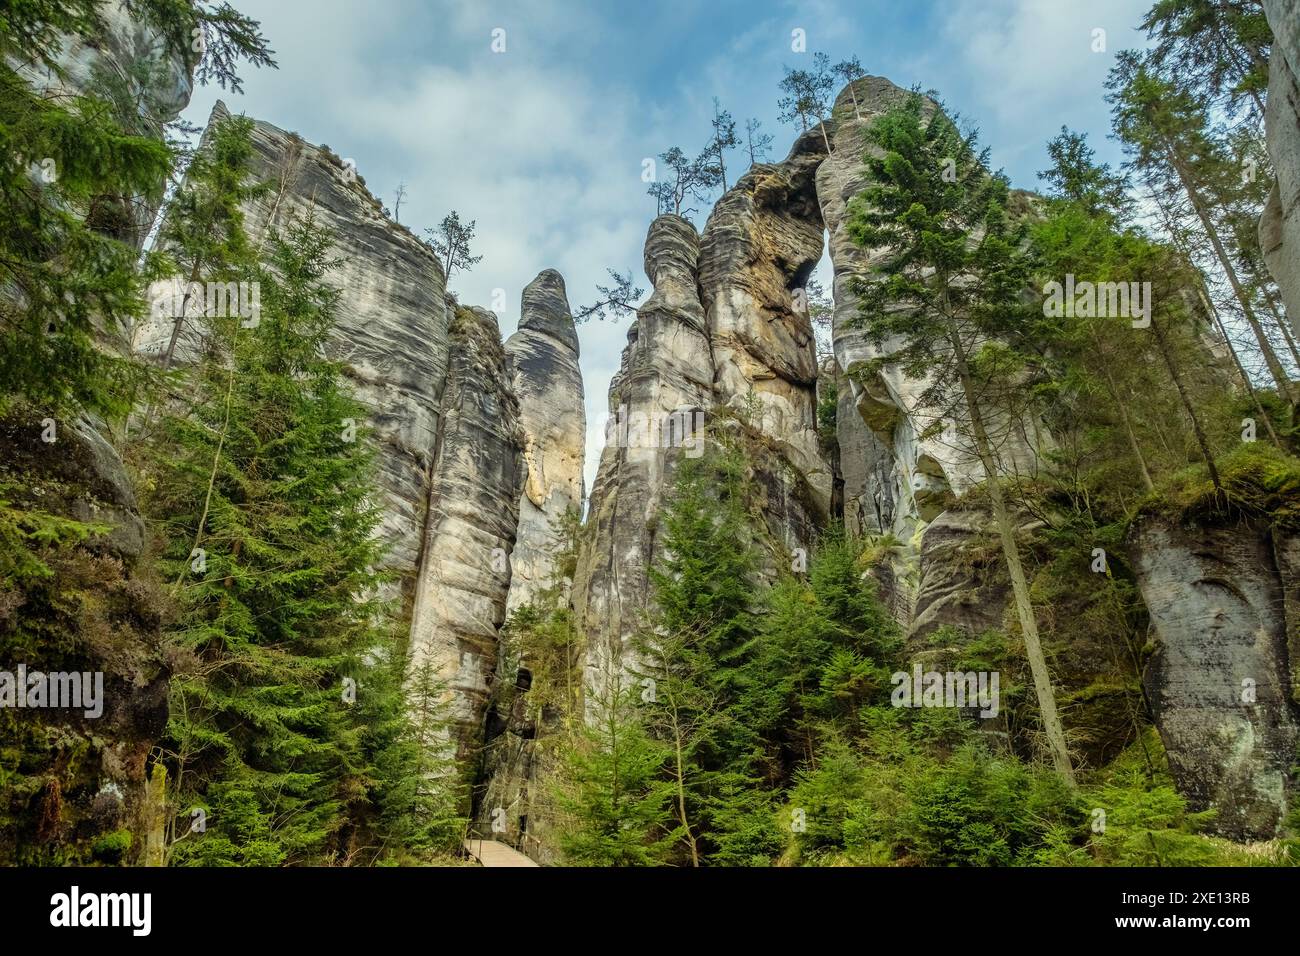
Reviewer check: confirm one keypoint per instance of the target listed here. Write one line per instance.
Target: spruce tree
(611, 792)
(203, 233)
(265, 513)
(950, 301)
(68, 276)
(1219, 46)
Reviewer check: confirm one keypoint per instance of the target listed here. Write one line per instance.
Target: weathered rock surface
(72, 779)
(1280, 224)
(542, 357)
(760, 244)
(473, 510)
(1221, 680)
(871, 487)
(665, 376)
(963, 580)
(391, 326)
(928, 463)
(153, 70)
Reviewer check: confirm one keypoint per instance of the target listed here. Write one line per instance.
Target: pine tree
(264, 508)
(70, 285)
(611, 791)
(689, 652)
(68, 275)
(451, 241)
(1166, 133)
(949, 301)
(203, 233)
(416, 787)
(1220, 46)
(1085, 232)
(724, 138)
(808, 95)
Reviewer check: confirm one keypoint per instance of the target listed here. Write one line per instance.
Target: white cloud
(542, 145)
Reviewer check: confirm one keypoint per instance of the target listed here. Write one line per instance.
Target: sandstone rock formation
(543, 364)
(1222, 681)
(1280, 224)
(391, 326)
(760, 244)
(435, 379)
(666, 376)
(469, 531)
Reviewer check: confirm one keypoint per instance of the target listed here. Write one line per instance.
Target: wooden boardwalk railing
(495, 853)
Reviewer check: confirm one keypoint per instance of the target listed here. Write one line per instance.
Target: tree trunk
(1282, 325)
(155, 816)
(681, 796)
(180, 319)
(1019, 586)
(1241, 369)
(1172, 366)
(1225, 262)
(1128, 428)
(1208, 304)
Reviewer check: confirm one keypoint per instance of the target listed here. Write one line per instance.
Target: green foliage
(1221, 48)
(828, 398)
(265, 479)
(112, 848)
(416, 783)
(955, 271)
(703, 585)
(982, 810)
(1258, 482)
(611, 792)
(223, 34)
(68, 272)
(26, 534)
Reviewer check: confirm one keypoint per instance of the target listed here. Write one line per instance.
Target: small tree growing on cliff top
(758, 143)
(451, 241)
(848, 71)
(950, 304)
(808, 95)
(691, 179)
(724, 138)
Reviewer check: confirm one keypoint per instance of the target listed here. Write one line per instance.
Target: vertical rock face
(1222, 606)
(1279, 226)
(473, 509)
(543, 362)
(761, 243)
(391, 327)
(441, 409)
(878, 411)
(928, 463)
(132, 62)
(667, 368)
(866, 466)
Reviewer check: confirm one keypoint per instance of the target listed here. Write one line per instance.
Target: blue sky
(542, 144)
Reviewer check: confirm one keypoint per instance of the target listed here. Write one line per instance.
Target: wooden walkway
(495, 853)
